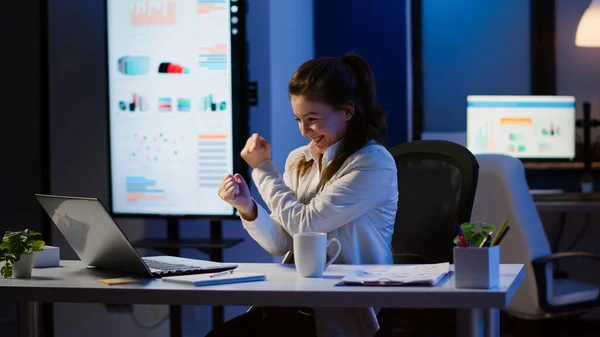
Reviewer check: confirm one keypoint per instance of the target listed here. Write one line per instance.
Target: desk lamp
(588, 35)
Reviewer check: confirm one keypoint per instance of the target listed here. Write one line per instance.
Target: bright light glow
(588, 30)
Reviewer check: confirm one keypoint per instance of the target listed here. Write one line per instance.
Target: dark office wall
(375, 29)
(22, 99)
(469, 48)
(21, 104)
(577, 68)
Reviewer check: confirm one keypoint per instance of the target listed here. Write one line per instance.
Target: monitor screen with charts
(177, 105)
(526, 127)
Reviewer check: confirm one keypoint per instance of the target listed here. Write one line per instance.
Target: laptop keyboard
(166, 266)
(169, 265)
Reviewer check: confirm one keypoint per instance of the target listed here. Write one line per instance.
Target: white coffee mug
(310, 252)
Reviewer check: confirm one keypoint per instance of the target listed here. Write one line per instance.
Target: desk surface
(567, 202)
(568, 206)
(572, 165)
(72, 282)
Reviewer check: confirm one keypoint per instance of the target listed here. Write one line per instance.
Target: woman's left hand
(256, 151)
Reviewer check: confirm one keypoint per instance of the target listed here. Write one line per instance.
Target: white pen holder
(476, 267)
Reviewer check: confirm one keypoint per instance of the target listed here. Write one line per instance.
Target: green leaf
(37, 245)
(477, 238)
(467, 226)
(488, 228)
(468, 234)
(6, 270)
(32, 233)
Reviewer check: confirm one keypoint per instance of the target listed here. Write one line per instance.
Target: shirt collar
(327, 156)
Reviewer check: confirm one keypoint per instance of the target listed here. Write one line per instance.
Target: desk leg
(491, 318)
(469, 323)
(30, 317)
(478, 323)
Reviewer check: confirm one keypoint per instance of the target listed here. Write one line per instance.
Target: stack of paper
(425, 274)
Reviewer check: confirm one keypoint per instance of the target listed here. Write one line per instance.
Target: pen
(461, 236)
(499, 233)
(227, 272)
(501, 236)
(486, 241)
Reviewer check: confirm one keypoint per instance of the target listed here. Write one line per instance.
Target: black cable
(556, 247)
(562, 219)
(582, 231)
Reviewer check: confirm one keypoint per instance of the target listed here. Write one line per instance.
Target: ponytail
(366, 96)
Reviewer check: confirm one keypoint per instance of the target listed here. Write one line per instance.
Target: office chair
(503, 193)
(436, 182)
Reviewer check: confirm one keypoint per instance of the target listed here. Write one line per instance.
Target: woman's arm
(265, 229)
(367, 182)
(268, 233)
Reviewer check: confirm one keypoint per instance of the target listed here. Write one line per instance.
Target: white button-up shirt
(357, 206)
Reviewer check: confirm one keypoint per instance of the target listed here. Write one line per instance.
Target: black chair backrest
(436, 182)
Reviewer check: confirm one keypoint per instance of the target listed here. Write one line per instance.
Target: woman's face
(320, 122)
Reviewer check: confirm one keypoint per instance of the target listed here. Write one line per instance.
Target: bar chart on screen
(214, 58)
(210, 6)
(210, 104)
(155, 12)
(143, 188)
(213, 159)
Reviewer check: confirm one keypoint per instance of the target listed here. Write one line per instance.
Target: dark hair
(338, 81)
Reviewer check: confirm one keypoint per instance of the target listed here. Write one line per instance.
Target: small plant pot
(23, 267)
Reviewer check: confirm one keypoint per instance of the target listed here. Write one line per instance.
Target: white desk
(74, 283)
(568, 206)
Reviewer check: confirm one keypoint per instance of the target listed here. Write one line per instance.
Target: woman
(342, 183)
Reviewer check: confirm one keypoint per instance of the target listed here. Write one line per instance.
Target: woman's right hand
(234, 190)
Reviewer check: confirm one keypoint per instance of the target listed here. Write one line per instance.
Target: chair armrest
(539, 271)
(564, 255)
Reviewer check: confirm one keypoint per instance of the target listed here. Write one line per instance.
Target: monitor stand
(587, 180)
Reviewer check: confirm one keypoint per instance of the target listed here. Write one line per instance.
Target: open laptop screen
(534, 127)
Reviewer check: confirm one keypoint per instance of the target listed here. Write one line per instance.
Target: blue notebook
(213, 279)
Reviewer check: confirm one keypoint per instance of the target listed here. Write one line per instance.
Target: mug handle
(337, 253)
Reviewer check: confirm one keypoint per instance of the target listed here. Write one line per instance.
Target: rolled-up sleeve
(361, 186)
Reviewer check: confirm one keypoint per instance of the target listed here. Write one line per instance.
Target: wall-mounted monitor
(526, 127)
(177, 108)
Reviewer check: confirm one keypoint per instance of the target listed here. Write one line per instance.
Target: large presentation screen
(172, 113)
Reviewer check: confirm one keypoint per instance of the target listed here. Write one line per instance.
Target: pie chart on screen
(172, 68)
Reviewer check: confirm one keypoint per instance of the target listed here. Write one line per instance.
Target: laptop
(99, 242)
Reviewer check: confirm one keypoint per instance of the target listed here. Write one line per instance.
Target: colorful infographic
(134, 65)
(522, 126)
(170, 93)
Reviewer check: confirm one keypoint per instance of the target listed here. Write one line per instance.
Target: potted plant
(587, 183)
(18, 248)
(475, 232)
